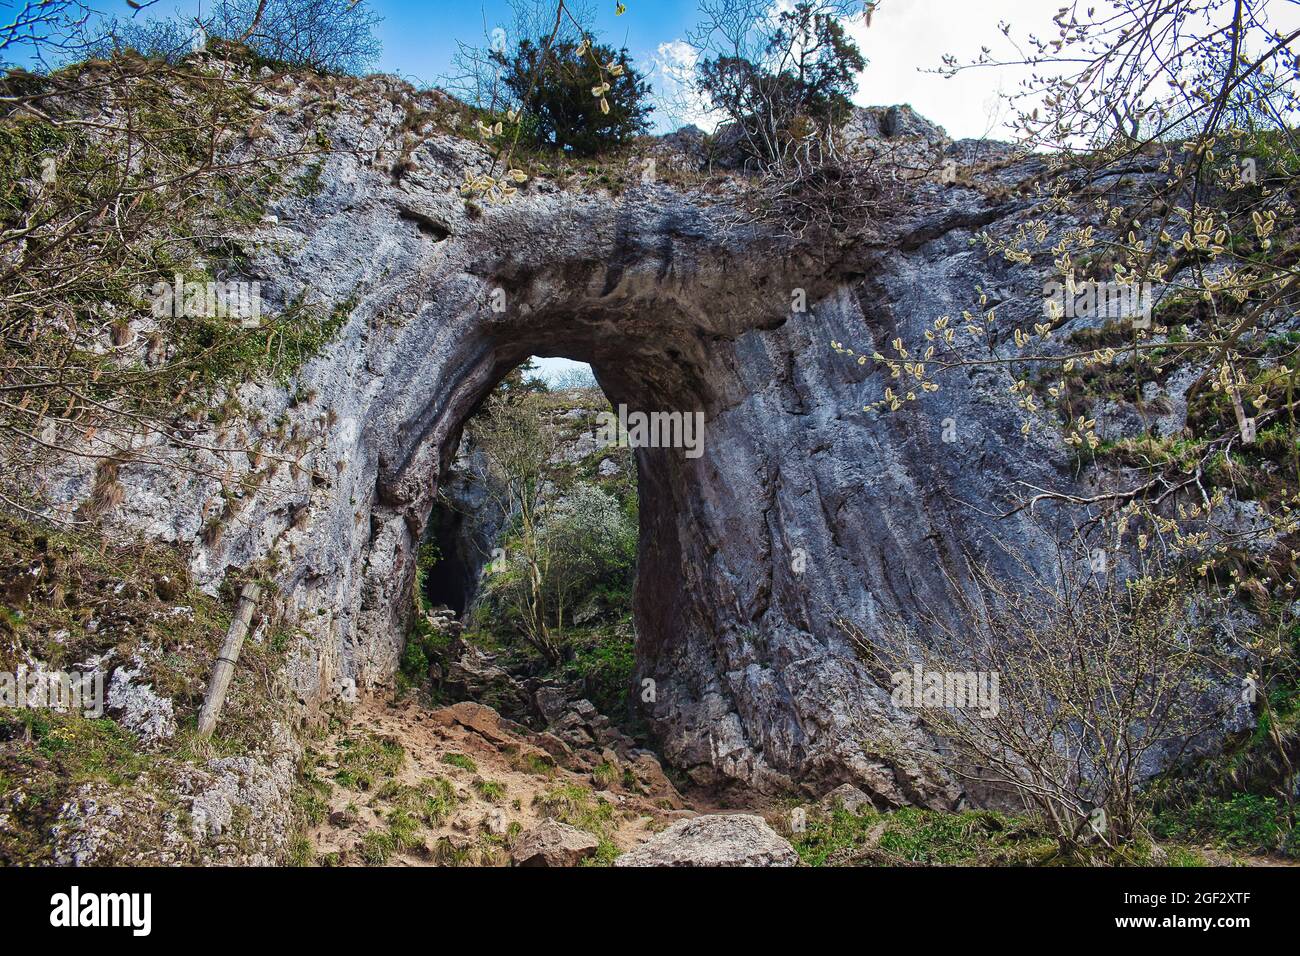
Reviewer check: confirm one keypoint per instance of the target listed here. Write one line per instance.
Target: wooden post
(224, 669)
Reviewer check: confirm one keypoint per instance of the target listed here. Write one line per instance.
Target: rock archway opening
(754, 538)
(541, 476)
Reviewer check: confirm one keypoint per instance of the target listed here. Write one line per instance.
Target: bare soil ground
(408, 785)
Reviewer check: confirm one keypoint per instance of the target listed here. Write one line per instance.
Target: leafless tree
(1100, 682)
(476, 72)
(46, 31)
(336, 36)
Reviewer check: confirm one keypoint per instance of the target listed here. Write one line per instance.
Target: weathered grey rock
(473, 675)
(139, 707)
(803, 510)
(676, 309)
(552, 843)
(849, 798)
(550, 701)
(239, 813)
(893, 122)
(735, 839)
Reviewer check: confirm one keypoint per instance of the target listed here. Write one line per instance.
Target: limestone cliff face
(802, 510)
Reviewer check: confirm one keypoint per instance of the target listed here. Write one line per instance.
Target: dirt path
(407, 785)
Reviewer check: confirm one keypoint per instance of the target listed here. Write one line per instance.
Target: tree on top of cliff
(793, 84)
(569, 102)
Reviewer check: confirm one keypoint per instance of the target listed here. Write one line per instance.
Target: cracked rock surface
(802, 511)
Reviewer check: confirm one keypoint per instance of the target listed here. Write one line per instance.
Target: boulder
(552, 843)
(550, 701)
(849, 797)
(733, 839)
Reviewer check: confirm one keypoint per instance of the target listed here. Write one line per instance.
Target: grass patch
(912, 835)
(44, 757)
(578, 807)
(605, 775)
(365, 761)
(430, 801)
(1243, 821)
(490, 790)
(460, 760)
(376, 847)
(532, 762)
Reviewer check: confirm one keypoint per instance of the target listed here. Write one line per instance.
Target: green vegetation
(532, 762)
(111, 214)
(578, 807)
(575, 526)
(424, 643)
(967, 838)
(460, 760)
(377, 846)
(69, 597)
(796, 82)
(1242, 798)
(604, 661)
(429, 802)
(1245, 821)
(491, 790)
(559, 109)
(366, 761)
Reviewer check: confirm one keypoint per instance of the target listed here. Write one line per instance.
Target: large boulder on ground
(552, 843)
(734, 839)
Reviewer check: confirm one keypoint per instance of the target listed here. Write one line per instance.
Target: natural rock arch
(675, 310)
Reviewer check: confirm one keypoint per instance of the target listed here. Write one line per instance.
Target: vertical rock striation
(802, 510)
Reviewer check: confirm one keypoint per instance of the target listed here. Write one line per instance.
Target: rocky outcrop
(848, 798)
(802, 511)
(735, 839)
(228, 810)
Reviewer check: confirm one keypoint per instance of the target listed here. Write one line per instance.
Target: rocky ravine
(802, 509)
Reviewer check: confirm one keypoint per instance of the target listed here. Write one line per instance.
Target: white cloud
(677, 104)
(906, 38)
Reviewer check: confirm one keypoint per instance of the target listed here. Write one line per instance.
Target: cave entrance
(449, 570)
(534, 488)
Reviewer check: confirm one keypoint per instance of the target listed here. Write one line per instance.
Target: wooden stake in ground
(224, 669)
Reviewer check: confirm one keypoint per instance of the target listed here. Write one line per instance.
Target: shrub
(556, 87)
(166, 40)
(606, 668)
(796, 83)
(1094, 678)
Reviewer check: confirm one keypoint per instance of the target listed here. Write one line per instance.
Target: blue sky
(906, 38)
(419, 35)
(419, 38)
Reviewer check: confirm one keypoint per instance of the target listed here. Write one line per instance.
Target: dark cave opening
(450, 577)
(473, 518)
